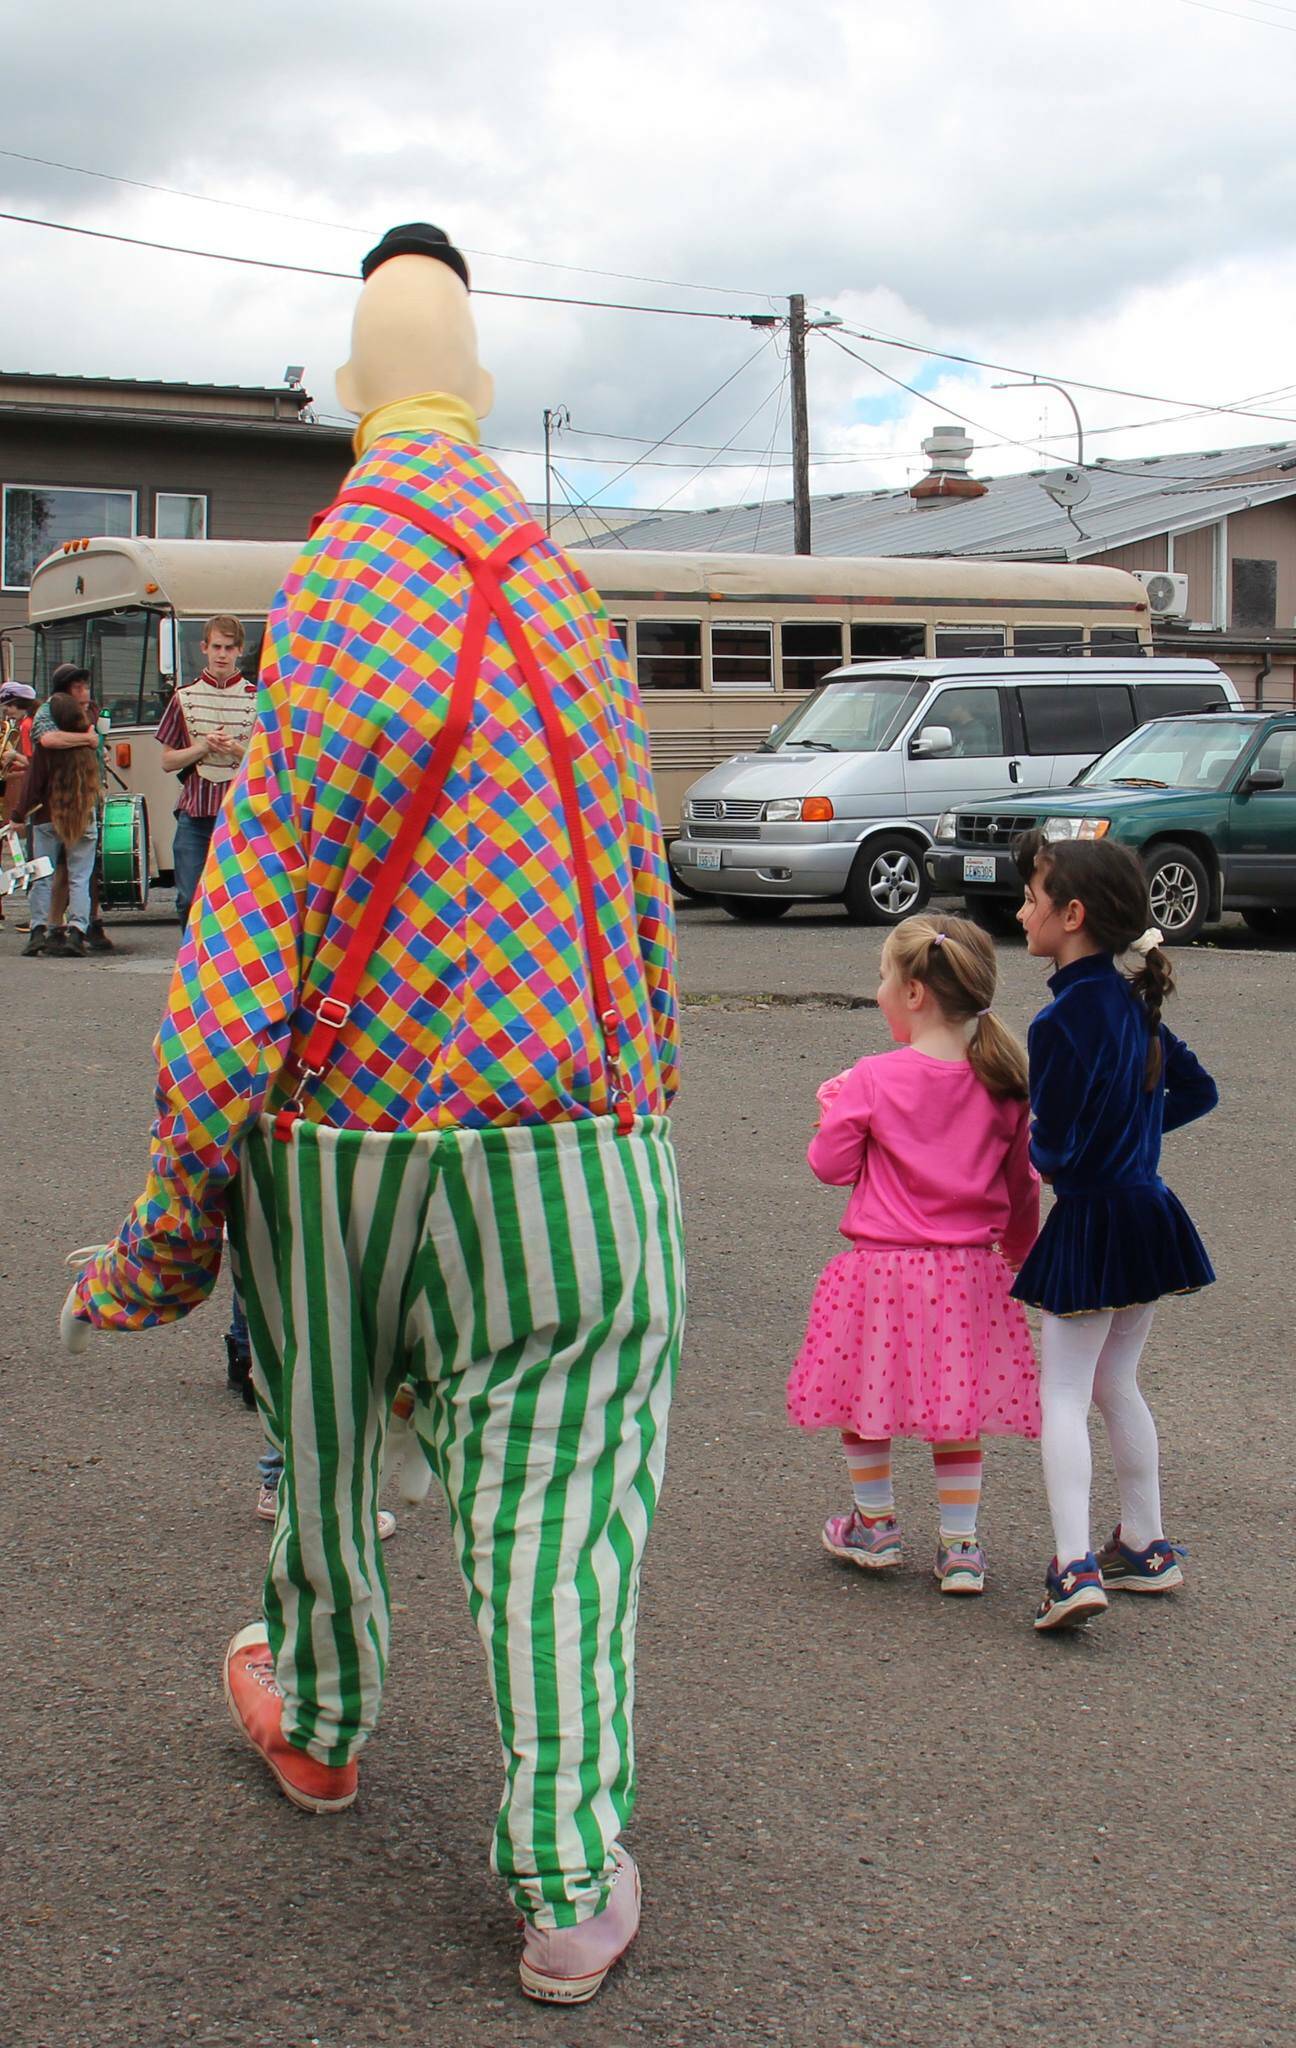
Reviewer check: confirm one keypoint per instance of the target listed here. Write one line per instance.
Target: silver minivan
(841, 801)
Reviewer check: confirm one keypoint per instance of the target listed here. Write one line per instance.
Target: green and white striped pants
(529, 1282)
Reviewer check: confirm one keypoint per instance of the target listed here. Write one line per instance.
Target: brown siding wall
(1269, 532)
(1140, 554)
(1194, 557)
(258, 486)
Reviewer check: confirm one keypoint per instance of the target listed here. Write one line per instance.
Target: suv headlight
(947, 825)
(1076, 828)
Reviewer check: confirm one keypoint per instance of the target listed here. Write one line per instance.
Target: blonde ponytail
(955, 959)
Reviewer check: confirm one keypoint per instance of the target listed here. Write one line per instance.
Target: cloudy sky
(1094, 189)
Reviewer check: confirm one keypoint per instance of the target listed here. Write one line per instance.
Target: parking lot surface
(867, 1815)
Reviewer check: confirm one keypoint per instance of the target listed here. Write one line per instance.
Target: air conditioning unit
(1167, 594)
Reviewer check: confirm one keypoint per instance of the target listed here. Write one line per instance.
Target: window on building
(1048, 639)
(742, 656)
(811, 648)
(1255, 594)
(1116, 640)
(669, 654)
(956, 640)
(181, 515)
(886, 642)
(38, 519)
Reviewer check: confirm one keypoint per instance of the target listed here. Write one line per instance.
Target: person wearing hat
(420, 1046)
(73, 680)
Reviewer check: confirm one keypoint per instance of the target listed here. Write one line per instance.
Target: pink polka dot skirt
(921, 1342)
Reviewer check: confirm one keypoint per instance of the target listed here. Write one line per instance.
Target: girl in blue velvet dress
(1107, 1079)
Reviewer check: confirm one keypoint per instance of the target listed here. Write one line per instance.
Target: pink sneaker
(567, 1965)
(873, 1545)
(267, 1509)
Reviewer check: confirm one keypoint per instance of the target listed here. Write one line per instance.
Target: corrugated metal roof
(1127, 501)
(151, 384)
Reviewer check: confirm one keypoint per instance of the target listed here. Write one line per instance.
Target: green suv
(1208, 800)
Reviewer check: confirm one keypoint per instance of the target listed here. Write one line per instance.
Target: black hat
(416, 238)
(67, 673)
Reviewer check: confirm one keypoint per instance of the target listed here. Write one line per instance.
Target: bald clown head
(413, 331)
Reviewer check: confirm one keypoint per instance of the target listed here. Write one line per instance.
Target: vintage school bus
(723, 646)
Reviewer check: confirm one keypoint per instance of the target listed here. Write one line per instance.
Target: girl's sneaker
(873, 1545)
(960, 1566)
(1154, 1570)
(1071, 1595)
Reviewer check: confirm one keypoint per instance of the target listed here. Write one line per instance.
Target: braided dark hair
(1109, 881)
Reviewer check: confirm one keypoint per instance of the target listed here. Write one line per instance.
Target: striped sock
(958, 1488)
(868, 1461)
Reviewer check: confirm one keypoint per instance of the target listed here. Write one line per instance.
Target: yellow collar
(432, 412)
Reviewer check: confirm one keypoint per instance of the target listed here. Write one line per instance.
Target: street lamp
(1047, 384)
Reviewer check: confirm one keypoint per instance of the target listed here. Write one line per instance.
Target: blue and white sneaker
(1154, 1570)
(1071, 1595)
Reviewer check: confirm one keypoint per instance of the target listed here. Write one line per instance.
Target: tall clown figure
(418, 1054)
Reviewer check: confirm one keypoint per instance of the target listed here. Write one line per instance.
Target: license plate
(706, 857)
(978, 870)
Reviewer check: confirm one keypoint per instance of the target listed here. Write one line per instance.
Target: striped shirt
(477, 1008)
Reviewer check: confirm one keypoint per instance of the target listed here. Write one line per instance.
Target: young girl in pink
(912, 1331)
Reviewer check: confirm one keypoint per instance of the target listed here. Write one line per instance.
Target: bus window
(55, 644)
(669, 654)
(886, 643)
(742, 656)
(957, 640)
(1116, 640)
(1048, 639)
(191, 654)
(811, 648)
(116, 646)
(621, 627)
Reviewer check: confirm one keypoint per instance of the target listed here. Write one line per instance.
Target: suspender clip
(329, 1010)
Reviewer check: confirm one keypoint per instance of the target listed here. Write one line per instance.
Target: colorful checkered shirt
(477, 1007)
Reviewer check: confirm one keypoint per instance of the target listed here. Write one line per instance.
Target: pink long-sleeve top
(930, 1156)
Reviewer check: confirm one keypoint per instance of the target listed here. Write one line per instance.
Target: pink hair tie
(938, 938)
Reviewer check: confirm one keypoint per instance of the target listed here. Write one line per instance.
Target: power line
(766, 341)
(945, 355)
(347, 228)
(1230, 14)
(711, 462)
(311, 270)
(760, 516)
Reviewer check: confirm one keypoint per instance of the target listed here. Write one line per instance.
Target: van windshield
(858, 715)
(1172, 753)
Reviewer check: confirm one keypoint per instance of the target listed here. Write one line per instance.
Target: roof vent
(947, 450)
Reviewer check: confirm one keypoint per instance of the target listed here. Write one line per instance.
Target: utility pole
(800, 425)
(555, 419)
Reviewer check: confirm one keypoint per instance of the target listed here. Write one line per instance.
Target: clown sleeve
(221, 1044)
(653, 898)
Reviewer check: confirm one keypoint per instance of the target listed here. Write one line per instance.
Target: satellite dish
(1067, 487)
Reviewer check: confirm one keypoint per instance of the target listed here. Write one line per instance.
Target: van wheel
(887, 882)
(1274, 923)
(755, 909)
(1179, 891)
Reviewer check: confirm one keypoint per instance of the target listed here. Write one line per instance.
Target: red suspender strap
(329, 1012)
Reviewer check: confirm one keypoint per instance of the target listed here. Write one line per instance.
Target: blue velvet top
(1116, 1235)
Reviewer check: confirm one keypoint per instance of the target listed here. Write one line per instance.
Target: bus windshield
(858, 715)
(1172, 753)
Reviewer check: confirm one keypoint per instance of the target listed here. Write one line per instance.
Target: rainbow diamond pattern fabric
(476, 1011)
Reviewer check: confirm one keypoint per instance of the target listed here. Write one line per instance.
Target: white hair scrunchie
(1145, 942)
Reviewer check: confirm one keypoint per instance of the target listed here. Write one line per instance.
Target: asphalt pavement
(868, 1816)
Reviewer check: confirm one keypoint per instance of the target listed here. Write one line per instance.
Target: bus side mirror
(933, 739)
(166, 647)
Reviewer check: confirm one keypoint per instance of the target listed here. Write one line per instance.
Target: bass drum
(124, 854)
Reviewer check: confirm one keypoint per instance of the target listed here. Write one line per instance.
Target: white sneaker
(567, 1965)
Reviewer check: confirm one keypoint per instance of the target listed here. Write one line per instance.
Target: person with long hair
(912, 1331)
(59, 799)
(1107, 1080)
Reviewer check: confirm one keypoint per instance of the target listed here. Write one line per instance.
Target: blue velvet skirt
(1114, 1249)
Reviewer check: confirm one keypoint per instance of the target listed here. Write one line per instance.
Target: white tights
(1096, 1357)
